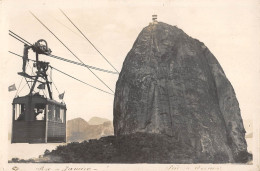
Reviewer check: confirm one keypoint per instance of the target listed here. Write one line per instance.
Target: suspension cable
(67, 60)
(89, 41)
(18, 87)
(55, 87)
(80, 80)
(22, 88)
(69, 76)
(54, 84)
(81, 64)
(71, 52)
(20, 37)
(20, 56)
(76, 33)
(53, 81)
(31, 71)
(27, 83)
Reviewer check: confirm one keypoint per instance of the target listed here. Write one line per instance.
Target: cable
(51, 79)
(20, 56)
(67, 75)
(20, 37)
(81, 64)
(27, 83)
(89, 41)
(65, 26)
(55, 87)
(22, 88)
(31, 70)
(67, 60)
(53, 82)
(19, 87)
(80, 80)
(77, 63)
(71, 52)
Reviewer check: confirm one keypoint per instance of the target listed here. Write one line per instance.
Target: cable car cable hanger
(71, 52)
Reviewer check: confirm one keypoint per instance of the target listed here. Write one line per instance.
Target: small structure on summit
(154, 17)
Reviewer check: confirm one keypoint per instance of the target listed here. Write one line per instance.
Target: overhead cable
(20, 37)
(20, 56)
(81, 64)
(80, 80)
(69, 76)
(19, 86)
(64, 59)
(89, 41)
(71, 52)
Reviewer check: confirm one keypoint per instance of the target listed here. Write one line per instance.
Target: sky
(228, 28)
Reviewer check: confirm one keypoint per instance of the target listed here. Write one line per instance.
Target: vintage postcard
(130, 85)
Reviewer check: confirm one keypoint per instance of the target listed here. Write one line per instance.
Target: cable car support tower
(42, 67)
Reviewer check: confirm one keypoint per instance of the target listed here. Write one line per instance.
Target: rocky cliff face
(171, 84)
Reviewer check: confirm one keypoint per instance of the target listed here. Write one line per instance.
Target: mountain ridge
(79, 129)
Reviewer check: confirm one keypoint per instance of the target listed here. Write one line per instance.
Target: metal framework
(38, 119)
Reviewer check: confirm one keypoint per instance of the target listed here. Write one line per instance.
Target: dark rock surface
(172, 85)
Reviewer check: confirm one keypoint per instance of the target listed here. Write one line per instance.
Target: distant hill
(79, 130)
(97, 120)
(248, 124)
(249, 135)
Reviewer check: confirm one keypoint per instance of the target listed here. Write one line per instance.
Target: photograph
(130, 85)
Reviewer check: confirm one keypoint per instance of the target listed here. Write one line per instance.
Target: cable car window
(62, 115)
(57, 110)
(51, 112)
(39, 111)
(19, 112)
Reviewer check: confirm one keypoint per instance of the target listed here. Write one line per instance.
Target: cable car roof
(39, 98)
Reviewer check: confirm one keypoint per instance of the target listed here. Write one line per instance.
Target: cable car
(38, 119)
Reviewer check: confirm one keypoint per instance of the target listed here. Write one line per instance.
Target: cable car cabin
(37, 119)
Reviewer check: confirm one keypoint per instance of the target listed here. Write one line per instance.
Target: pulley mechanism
(40, 47)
